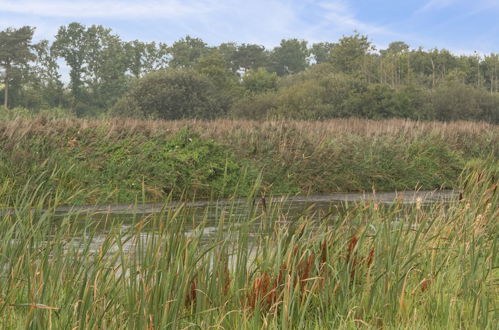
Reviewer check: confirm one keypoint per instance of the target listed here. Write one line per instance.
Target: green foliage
(187, 51)
(350, 53)
(172, 94)
(289, 57)
(44, 114)
(113, 168)
(304, 97)
(260, 81)
(114, 161)
(182, 164)
(15, 51)
(453, 100)
(381, 101)
(326, 80)
(240, 265)
(98, 62)
(321, 51)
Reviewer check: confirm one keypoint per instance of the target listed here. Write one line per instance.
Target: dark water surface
(204, 218)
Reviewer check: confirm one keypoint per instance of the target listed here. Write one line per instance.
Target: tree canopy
(15, 51)
(295, 79)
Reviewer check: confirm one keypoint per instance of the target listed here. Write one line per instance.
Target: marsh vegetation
(380, 266)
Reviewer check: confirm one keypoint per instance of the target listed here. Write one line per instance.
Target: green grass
(119, 161)
(374, 266)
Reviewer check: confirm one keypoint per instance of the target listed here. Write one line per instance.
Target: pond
(204, 217)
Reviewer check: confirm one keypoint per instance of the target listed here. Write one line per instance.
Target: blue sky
(462, 26)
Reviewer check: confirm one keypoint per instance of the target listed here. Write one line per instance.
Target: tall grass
(116, 158)
(374, 266)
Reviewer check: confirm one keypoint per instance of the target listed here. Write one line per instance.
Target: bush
(379, 101)
(172, 94)
(259, 81)
(24, 113)
(455, 100)
(304, 98)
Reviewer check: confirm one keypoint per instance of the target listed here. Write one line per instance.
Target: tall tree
(71, 44)
(250, 57)
(15, 50)
(187, 51)
(98, 60)
(290, 57)
(321, 51)
(490, 66)
(350, 54)
(145, 57)
(394, 63)
(43, 79)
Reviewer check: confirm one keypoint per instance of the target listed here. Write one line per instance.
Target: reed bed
(374, 266)
(207, 158)
(224, 128)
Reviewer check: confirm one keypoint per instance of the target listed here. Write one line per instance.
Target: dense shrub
(259, 81)
(172, 94)
(454, 100)
(380, 101)
(302, 98)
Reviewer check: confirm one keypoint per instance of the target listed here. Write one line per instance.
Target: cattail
(350, 255)
(304, 268)
(423, 285)
(259, 290)
(192, 294)
(351, 247)
(370, 258)
(323, 253)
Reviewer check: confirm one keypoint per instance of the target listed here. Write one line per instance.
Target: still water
(204, 217)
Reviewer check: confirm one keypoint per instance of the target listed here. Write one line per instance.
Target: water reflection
(207, 219)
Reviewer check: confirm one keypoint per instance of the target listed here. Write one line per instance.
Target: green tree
(186, 52)
(321, 51)
(215, 67)
(490, 69)
(250, 57)
(350, 54)
(259, 81)
(98, 63)
(290, 57)
(145, 57)
(394, 64)
(71, 44)
(42, 86)
(172, 94)
(15, 50)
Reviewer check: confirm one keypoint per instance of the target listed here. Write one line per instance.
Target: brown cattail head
(425, 284)
(259, 291)
(351, 247)
(305, 267)
(191, 294)
(370, 258)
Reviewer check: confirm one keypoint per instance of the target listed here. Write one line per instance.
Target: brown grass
(224, 128)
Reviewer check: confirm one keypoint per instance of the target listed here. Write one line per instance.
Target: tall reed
(377, 266)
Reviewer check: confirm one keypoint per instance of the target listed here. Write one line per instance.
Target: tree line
(295, 79)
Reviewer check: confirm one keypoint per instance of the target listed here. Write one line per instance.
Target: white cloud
(474, 6)
(436, 4)
(105, 8)
(254, 20)
(340, 15)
